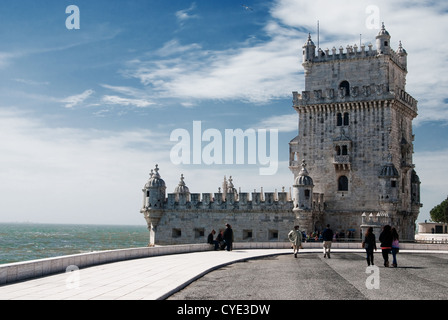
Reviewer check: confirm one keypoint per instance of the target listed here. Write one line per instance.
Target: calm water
(23, 242)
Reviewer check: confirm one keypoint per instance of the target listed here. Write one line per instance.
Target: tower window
(338, 150)
(307, 194)
(344, 150)
(343, 183)
(339, 119)
(386, 43)
(176, 233)
(346, 119)
(343, 120)
(346, 87)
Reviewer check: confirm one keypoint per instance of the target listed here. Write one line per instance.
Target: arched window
(307, 194)
(346, 86)
(343, 183)
(346, 119)
(339, 119)
(344, 150)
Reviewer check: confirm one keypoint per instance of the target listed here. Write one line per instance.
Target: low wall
(432, 237)
(14, 272)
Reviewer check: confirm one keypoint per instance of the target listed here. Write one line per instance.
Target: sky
(88, 110)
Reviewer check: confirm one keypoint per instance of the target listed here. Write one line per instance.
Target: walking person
(327, 237)
(228, 237)
(369, 244)
(386, 243)
(295, 237)
(395, 247)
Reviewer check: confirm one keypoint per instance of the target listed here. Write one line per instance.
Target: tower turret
(383, 41)
(303, 190)
(154, 201)
(309, 50)
(402, 57)
(182, 192)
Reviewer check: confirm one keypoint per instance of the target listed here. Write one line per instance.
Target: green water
(23, 241)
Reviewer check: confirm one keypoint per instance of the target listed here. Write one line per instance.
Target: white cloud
(283, 123)
(74, 175)
(139, 103)
(185, 14)
(76, 100)
(32, 82)
(251, 73)
(258, 72)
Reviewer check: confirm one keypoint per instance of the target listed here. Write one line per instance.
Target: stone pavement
(140, 279)
(153, 278)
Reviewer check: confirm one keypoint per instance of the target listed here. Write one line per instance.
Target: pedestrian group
(389, 242)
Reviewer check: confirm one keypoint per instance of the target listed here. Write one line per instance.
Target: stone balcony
(342, 162)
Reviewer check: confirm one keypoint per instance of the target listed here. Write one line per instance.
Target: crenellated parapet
(333, 95)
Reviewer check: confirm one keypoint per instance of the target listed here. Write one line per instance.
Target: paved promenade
(141, 279)
(161, 276)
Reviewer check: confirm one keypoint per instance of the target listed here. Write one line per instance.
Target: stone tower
(355, 133)
(153, 202)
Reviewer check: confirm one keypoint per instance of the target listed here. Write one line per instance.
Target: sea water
(29, 241)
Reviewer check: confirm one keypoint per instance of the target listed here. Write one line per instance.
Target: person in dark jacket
(327, 237)
(228, 237)
(211, 239)
(369, 244)
(386, 243)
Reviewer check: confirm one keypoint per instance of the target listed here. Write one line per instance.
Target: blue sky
(86, 114)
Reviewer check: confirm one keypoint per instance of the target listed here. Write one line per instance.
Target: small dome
(389, 171)
(181, 187)
(400, 50)
(303, 179)
(383, 31)
(155, 181)
(309, 42)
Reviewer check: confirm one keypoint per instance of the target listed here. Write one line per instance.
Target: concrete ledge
(19, 271)
(15, 272)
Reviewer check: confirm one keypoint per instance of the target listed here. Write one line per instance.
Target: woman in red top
(386, 243)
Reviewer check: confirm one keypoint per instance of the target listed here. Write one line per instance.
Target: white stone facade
(353, 154)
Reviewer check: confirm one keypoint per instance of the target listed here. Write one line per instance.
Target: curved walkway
(152, 278)
(141, 279)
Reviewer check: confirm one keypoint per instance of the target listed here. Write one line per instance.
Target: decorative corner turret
(153, 202)
(383, 41)
(309, 50)
(303, 190)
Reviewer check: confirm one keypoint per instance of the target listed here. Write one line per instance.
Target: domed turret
(182, 192)
(383, 41)
(155, 181)
(303, 179)
(402, 56)
(388, 171)
(309, 50)
(388, 176)
(181, 187)
(154, 190)
(303, 190)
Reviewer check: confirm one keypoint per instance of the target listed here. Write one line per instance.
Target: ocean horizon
(31, 241)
